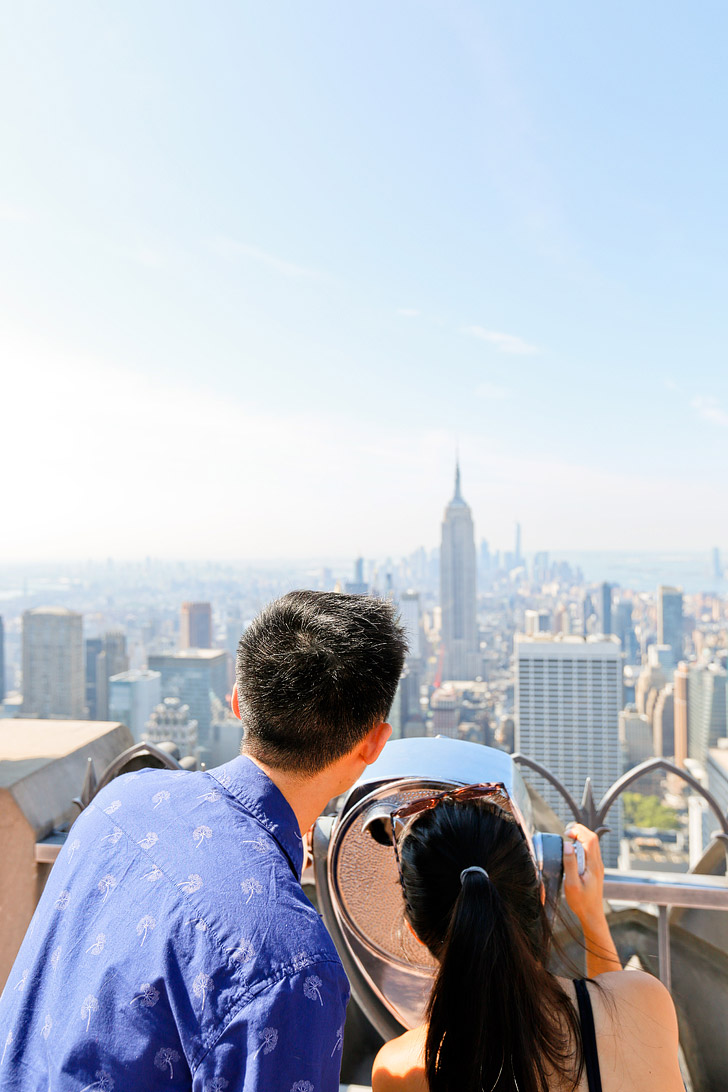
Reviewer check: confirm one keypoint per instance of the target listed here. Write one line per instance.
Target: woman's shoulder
(400, 1064)
(636, 1028)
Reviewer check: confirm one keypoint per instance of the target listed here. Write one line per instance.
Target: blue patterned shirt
(173, 948)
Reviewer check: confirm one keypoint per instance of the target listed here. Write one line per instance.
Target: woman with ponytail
(497, 1019)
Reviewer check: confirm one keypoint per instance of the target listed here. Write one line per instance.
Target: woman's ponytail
(496, 1019)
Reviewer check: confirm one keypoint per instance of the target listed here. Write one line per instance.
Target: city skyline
(259, 309)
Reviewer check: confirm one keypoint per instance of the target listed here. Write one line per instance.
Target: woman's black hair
(497, 1020)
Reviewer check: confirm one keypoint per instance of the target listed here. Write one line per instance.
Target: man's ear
(234, 703)
(373, 742)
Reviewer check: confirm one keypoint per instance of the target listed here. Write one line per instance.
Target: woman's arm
(585, 897)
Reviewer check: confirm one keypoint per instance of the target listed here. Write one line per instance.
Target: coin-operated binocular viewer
(356, 871)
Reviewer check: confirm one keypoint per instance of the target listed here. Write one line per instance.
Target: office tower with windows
(445, 711)
(53, 668)
(171, 721)
(195, 626)
(568, 697)
(457, 589)
(132, 697)
(193, 675)
(706, 708)
(670, 619)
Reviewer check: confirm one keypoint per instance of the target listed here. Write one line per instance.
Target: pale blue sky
(262, 266)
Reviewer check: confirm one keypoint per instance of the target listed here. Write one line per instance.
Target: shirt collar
(265, 802)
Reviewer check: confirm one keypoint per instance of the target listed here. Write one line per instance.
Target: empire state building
(457, 589)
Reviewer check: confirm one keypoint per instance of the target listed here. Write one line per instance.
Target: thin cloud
(709, 408)
(232, 248)
(408, 312)
(672, 385)
(505, 343)
(492, 390)
(142, 255)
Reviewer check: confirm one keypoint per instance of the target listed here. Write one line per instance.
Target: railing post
(663, 946)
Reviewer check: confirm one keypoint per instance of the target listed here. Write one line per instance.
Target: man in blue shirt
(173, 947)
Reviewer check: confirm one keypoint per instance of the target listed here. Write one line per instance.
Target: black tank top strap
(588, 1036)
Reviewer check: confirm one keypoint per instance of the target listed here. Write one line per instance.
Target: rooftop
(26, 746)
(189, 654)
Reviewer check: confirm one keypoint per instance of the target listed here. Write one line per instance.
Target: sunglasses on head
(491, 792)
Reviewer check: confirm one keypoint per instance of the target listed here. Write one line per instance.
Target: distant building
(192, 675)
(171, 721)
(104, 656)
(624, 629)
(652, 678)
(410, 612)
(226, 733)
(536, 621)
(635, 736)
(518, 556)
(706, 708)
(112, 660)
(680, 685)
(568, 697)
(195, 626)
(670, 625)
(357, 586)
(132, 697)
(716, 769)
(444, 704)
(541, 567)
(605, 608)
(457, 589)
(53, 667)
(93, 647)
(717, 564)
(663, 722)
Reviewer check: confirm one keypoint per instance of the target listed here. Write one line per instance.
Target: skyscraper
(457, 589)
(681, 714)
(670, 619)
(568, 697)
(410, 612)
(605, 608)
(196, 626)
(706, 708)
(193, 675)
(111, 660)
(133, 696)
(53, 668)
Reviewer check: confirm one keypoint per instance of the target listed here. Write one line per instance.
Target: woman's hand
(584, 893)
(585, 896)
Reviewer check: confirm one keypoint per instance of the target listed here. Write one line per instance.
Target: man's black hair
(315, 672)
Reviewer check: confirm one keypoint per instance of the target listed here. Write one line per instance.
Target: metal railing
(659, 889)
